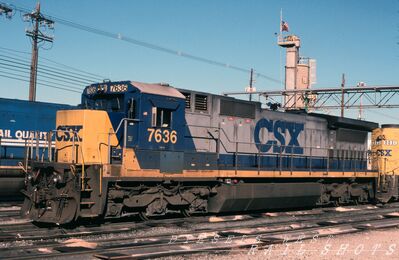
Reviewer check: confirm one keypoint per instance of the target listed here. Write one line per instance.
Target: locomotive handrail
(262, 144)
(353, 160)
(34, 142)
(123, 120)
(127, 119)
(34, 145)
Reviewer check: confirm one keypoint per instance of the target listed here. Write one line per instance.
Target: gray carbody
(318, 138)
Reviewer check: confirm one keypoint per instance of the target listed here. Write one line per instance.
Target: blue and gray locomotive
(148, 149)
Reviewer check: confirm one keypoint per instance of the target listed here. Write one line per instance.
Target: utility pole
(342, 95)
(250, 84)
(37, 20)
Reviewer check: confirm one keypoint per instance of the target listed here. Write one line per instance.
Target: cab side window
(161, 117)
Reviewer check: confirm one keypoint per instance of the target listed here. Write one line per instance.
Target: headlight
(57, 178)
(28, 178)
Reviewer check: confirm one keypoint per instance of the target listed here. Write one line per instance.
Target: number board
(162, 136)
(118, 88)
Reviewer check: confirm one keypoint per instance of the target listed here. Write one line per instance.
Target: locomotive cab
(144, 117)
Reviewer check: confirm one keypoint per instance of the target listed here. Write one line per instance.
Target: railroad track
(6, 207)
(28, 231)
(187, 236)
(9, 213)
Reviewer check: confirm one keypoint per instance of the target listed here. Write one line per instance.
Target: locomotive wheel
(143, 216)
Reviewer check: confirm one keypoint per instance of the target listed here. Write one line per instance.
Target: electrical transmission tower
(38, 21)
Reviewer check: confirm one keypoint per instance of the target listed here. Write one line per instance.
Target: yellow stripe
(154, 173)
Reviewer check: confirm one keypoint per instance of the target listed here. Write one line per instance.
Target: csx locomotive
(147, 149)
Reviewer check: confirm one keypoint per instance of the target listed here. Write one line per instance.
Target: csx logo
(279, 129)
(381, 152)
(68, 133)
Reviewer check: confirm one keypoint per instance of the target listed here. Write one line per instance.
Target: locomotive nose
(59, 205)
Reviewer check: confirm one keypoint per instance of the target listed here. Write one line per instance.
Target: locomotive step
(87, 203)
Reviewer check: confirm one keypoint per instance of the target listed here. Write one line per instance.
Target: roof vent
(164, 84)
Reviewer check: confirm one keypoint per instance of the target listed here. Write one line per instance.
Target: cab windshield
(112, 103)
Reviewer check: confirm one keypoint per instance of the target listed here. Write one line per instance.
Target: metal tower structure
(332, 98)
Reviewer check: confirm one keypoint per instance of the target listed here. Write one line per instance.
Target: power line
(148, 45)
(12, 64)
(39, 79)
(42, 84)
(26, 71)
(99, 77)
(47, 71)
(57, 70)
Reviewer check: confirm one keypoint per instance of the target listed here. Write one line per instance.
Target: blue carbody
(18, 118)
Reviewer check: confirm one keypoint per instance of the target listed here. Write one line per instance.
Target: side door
(164, 133)
(131, 123)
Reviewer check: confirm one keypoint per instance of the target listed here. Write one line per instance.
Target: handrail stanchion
(49, 145)
(37, 145)
(328, 160)
(31, 146)
(218, 144)
(355, 161)
(124, 132)
(310, 161)
(281, 159)
(109, 147)
(26, 153)
(236, 158)
(292, 156)
(259, 161)
(350, 160)
(73, 148)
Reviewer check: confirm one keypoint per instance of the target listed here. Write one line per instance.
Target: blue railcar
(19, 121)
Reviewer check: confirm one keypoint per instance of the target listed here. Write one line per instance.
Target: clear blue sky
(359, 38)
